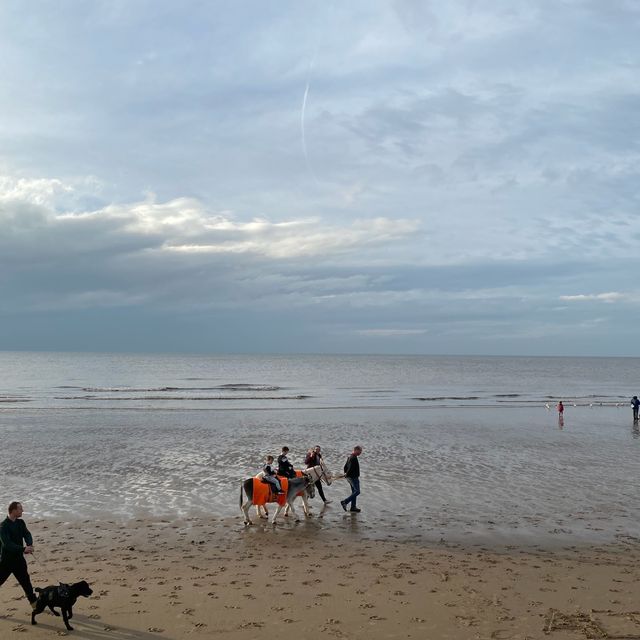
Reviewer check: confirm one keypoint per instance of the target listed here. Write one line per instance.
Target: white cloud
(185, 226)
(609, 297)
(38, 191)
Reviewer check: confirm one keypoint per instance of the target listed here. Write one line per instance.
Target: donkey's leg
(275, 515)
(245, 508)
(262, 511)
(305, 506)
(293, 511)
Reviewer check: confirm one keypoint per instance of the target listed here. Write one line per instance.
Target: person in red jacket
(313, 459)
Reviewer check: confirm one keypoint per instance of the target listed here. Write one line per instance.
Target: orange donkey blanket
(262, 492)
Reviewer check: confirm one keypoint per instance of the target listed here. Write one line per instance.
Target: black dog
(63, 596)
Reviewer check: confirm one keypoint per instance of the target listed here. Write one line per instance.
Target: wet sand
(155, 579)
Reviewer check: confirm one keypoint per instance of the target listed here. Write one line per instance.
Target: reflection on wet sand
(480, 474)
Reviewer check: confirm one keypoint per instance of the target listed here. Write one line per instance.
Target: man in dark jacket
(13, 531)
(352, 474)
(635, 405)
(285, 468)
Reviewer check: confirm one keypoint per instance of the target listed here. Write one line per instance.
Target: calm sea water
(455, 447)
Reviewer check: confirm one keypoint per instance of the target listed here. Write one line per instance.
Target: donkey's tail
(241, 487)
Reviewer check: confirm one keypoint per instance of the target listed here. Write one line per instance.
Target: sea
(467, 449)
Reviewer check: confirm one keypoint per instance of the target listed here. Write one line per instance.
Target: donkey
(316, 474)
(293, 487)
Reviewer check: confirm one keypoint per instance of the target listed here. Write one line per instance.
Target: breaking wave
(223, 387)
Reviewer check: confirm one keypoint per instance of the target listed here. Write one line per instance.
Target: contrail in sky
(302, 114)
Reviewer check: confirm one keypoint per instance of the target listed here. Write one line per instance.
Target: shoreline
(164, 578)
(429, 529)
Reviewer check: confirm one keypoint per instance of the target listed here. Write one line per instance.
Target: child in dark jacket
(269, 474)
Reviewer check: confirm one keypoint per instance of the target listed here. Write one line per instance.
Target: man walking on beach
(13, 531)
(635, 405)
(352, 474)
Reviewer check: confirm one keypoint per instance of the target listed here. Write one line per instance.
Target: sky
(369, 176)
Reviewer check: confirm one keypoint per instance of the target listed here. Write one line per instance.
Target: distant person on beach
(352, 474)
(285, 468)
(560, 408)
(13, 531)
(269, 474)
(635, 405)
(313, 459)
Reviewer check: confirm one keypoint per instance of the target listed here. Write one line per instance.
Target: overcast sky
(292, 176)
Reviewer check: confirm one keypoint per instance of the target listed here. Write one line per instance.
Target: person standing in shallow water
(13, 531)
(313, 459)
(560, 408)
(352, 474)
(635, 405)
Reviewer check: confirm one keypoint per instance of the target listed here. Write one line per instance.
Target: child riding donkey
(269, 475)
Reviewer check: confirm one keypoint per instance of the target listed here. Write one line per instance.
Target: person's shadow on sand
(85, 629)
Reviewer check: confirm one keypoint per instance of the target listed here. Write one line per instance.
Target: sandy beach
(155, 579)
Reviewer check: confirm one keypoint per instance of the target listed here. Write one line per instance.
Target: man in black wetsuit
(635, 405)
(13, 531)
(285, 468)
